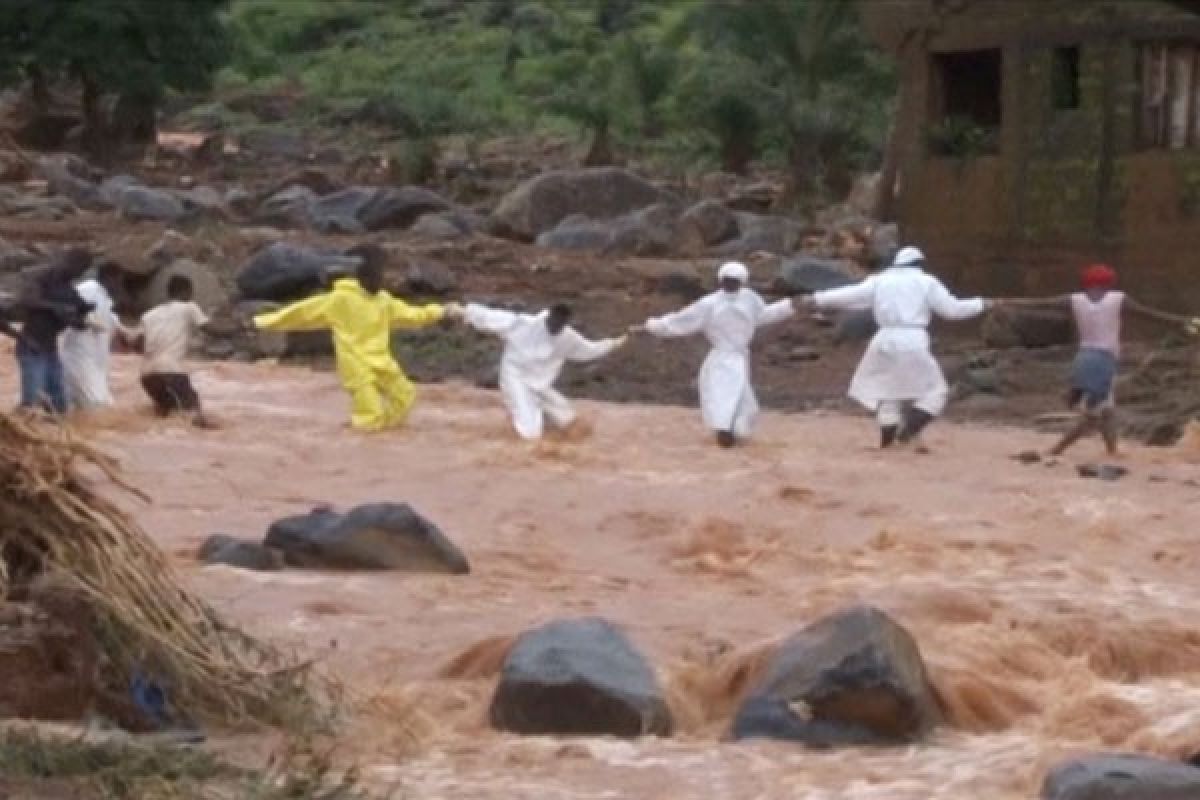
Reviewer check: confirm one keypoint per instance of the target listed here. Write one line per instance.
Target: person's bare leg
(1109, 430)
(1082, 428)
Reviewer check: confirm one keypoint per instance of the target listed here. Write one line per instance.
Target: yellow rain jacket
(362, 325)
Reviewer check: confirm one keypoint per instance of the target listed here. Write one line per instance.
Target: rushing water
(1056, 613)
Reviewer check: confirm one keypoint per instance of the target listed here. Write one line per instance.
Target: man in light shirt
(166, 333)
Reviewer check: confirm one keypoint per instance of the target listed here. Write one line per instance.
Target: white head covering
(734, 269)
(907, 257)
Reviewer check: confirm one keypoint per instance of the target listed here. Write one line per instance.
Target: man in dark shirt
(49, 306)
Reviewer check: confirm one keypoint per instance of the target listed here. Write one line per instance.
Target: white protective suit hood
(908, 257)
(735, 270)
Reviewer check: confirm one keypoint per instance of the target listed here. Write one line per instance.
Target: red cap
(1099, 276)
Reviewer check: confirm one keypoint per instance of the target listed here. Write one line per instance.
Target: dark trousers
(171, 391)
(41, 379)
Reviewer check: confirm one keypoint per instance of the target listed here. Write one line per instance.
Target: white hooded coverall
(532, 360)
(729, 321)
(898, 366)
(86, 353)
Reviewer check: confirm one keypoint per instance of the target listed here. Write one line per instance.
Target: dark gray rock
(851, 678)
(762, 233)
(143, 203)
(239, 201)
(710, 222)
(647, 232)
(400, 208)
(1016, 327)
(233, 552)
(539, 204)
(202, 201)
(288, 208)
(282, 272)
(339, 212)
(389, 536)
(809, 274)
(578, 676)
(430, 278)
(1122, 777)
(114, 186)
(275, 143)
(60, 180)
(453, 224)
(577, 232)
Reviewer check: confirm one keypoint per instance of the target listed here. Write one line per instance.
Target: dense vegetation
(679, 80)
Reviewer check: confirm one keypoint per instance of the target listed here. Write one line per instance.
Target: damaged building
(1032, 136)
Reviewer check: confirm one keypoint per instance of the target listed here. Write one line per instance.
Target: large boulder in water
(578, 676)
(390, 536)
(1122, 777)
(1023, 327)
(540, 203)
(281, 272)
(232, 552)
(855, 677)
(400, 208)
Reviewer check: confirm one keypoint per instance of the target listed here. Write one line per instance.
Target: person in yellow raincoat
(362, 315)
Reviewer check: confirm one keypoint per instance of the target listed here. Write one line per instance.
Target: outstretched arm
(584, 349)
(1034, 302)
(306, 315)
(1154, 313)
(490, 320)
(948, 306)
(776, 312)
(685, 322)
(403, 315)
(857, 297)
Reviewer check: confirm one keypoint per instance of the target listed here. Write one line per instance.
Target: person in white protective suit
(728, 318)
(85, 353)
(535, 348)
(898, 379)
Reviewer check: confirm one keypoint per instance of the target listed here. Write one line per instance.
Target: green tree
(130, 50)
(816, 69)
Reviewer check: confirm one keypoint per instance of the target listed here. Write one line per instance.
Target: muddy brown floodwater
(1058, 614)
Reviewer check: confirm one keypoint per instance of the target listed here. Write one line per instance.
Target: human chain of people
(67, 326)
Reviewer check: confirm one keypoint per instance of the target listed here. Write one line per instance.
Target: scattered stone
(17, 204)
(446, 225)
(114, 186)
(854, 677)
(1122, 777)
(281, 272)
(61, 181)
(430, 278)
(759, 232)
(142, 203)
(580, 677)
(275, 142)
(319, 180)
(289, 208)
(1028, 457)
(14, 258)
(202, 201)
(239, 201)
(339, 212)
(1012, 327)
(400, 208)
(808, 274)
(1104, 472)
(206, 287)
(710, 222)
(389, 536)
(233, 552)
(542, 202)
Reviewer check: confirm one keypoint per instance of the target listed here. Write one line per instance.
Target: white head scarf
(734, 269)
(907, 257)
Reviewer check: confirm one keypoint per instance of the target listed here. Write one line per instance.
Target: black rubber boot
(887, 435)
(915, 422)
(726, 439)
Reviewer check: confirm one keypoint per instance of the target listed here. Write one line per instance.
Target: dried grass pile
(53, 517)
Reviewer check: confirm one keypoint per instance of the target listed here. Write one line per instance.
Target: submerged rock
(1122, 777)
(580, 676)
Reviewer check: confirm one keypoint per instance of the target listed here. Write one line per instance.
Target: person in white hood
(898, 378)
(728, 318)
(85, 353)
(535, 348)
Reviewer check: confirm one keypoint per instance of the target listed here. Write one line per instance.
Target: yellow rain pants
(362, 323)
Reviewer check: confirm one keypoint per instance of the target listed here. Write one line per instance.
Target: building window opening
(966, 102)
(1065, 76)
(1169, 79)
